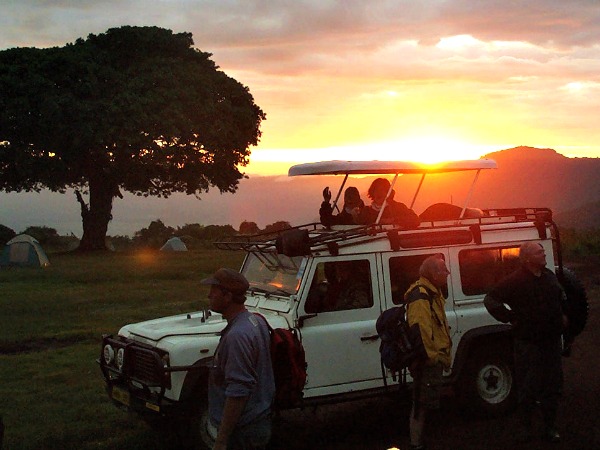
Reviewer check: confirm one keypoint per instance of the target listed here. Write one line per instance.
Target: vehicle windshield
(273, 274)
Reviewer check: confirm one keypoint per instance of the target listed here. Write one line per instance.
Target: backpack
(289, 366)
(401, 344)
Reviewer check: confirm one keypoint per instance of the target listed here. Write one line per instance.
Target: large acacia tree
(134, 109)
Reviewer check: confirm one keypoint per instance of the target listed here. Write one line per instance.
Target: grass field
(52, 393)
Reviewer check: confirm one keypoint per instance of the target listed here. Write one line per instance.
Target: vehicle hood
(189, 325)
(180, 325)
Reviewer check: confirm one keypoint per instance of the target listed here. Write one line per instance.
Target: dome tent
(23, 250)
(174, 244)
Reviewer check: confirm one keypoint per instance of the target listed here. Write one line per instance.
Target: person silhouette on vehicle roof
(352, 207)
(394, 212)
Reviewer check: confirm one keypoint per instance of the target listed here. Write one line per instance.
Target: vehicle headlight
(120, 358)
(109, 354)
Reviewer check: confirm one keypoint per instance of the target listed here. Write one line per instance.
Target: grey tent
(174, 245)
(23, 250)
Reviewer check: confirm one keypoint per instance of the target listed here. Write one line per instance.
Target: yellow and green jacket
(425, 307)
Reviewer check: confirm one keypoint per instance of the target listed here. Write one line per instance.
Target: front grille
(144, 365)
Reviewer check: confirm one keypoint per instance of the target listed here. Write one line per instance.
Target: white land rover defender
(159, 368)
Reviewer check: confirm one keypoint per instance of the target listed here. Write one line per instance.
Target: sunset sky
(421, 80)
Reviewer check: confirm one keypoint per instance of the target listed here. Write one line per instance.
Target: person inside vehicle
(345, 286)
(352, 207)
(394, 212)
(353, 288)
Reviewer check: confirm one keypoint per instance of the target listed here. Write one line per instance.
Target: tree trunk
(96, 216)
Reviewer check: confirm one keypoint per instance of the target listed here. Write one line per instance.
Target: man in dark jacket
(536, 301)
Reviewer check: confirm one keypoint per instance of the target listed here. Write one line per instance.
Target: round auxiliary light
(109, 354)
(120, 358)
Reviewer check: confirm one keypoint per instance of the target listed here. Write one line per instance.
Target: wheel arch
(475, 339)
(196, 381)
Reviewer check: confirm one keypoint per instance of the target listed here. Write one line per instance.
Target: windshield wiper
(254, 290)
(280, 292)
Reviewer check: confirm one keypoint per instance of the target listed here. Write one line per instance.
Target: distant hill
(526, 176)
(588, 216)
(541, 177)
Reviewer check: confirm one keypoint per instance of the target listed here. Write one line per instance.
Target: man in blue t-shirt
(241, 384)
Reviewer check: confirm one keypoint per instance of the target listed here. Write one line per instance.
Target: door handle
(374, 337)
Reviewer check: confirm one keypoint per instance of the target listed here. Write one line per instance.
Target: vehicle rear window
(482, 269)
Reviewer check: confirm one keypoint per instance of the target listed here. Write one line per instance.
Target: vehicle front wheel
(487, 386)
(196, 432)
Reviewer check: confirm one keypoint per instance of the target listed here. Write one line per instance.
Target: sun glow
(417, 149)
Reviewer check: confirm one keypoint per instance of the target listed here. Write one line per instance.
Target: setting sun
(417, 149)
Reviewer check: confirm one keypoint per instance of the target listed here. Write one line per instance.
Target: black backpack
(401, 344)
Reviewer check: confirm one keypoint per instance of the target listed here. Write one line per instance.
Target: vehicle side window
(404, 271)
(340, 285)
(482, 269)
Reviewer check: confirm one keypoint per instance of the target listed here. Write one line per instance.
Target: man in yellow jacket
(425, 307)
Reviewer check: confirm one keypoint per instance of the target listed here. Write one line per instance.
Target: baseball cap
(228, 279)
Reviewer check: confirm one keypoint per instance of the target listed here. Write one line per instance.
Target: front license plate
(120, 395)
(153, 407)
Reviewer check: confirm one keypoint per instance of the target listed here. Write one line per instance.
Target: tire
(166, 430)
(196, 431)
(577, 304)
(487, 385)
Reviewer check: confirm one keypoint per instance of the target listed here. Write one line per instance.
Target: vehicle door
(337, 323)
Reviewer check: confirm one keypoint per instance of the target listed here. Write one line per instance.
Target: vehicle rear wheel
(487, 385)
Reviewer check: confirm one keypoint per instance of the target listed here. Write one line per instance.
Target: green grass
(52, 393)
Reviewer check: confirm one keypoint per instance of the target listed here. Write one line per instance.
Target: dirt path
(382, 423)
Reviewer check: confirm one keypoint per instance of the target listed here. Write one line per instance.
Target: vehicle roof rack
(437, 232)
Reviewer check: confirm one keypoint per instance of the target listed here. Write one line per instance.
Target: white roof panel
(387, 167)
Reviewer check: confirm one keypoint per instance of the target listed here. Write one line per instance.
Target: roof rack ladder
(468, 199)
(386, 198)
(412, 204)
(337, 197)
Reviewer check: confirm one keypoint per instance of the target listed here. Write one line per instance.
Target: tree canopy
(6, 234)
(135, 109)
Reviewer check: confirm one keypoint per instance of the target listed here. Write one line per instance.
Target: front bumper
(143, 379)
(137, 400)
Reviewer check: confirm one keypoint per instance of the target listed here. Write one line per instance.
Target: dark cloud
(337, 38)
